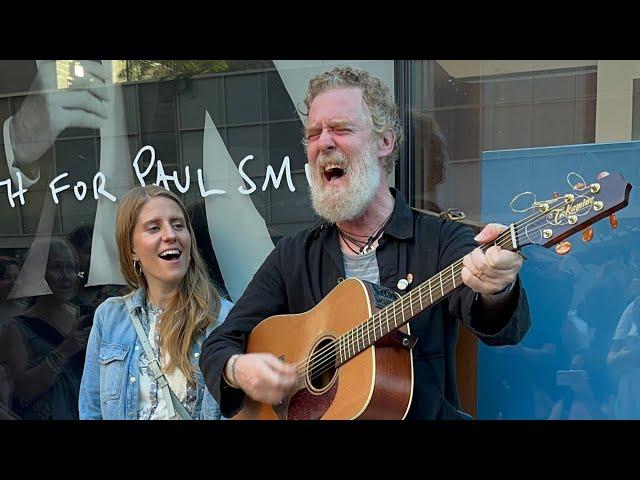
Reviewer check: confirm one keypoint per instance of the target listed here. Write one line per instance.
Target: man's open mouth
(333, 173)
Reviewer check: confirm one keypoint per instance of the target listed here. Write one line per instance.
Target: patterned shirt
(152, 405)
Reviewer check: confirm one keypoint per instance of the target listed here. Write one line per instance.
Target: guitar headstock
(551, 221)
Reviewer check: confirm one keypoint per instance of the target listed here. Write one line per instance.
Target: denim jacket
(109, 389)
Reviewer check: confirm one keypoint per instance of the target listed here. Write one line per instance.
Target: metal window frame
(404, 168)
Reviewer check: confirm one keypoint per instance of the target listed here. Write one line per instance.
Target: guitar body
(377, 383)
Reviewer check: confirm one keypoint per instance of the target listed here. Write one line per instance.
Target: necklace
(364, 246)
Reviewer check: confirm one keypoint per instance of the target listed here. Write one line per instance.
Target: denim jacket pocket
(111, 358)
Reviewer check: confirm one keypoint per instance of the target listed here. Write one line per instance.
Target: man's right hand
(48, 110)
(264, 377)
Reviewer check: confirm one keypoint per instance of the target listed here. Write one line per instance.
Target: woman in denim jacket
(177, 307)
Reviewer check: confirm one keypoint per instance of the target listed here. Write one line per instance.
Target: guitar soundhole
(322, 365)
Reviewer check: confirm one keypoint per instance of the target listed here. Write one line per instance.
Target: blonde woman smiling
(143, 349)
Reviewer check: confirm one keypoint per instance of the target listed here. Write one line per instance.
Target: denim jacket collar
(138, 299)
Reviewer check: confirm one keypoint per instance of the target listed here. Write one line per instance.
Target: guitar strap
(455, 215)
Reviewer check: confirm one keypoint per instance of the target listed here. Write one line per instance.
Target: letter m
(271, 174)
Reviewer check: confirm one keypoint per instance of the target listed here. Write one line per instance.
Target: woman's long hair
(196, 303)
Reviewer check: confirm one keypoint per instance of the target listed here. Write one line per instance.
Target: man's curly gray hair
(377, 98)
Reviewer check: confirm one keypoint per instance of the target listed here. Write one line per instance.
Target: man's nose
(326, 142)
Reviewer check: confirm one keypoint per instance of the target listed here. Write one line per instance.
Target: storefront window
(488, 130)
(208, 125)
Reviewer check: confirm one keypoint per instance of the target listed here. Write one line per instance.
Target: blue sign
(581, 357)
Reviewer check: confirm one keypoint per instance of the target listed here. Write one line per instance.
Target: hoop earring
(137, 268)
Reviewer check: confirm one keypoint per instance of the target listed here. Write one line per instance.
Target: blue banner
(581, 357)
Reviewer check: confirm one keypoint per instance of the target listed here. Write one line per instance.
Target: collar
(400, 225)
(138, 300)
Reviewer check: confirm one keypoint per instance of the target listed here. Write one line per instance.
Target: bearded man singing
(368, 231)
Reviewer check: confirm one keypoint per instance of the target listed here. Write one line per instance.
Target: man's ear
(386, 142)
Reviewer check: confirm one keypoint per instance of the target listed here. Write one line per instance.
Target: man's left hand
(491, 271)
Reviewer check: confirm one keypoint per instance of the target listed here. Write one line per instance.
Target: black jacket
(304, 268)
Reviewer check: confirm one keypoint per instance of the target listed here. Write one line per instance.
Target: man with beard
(369, 232)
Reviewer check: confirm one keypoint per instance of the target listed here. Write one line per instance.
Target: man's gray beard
(349, 202)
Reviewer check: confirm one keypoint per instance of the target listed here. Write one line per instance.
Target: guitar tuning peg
(613, 221)
(563, 248)
(555, 195)
(578, 186)
(602, 175)
(587, 234)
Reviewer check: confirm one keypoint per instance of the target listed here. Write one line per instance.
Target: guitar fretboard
(404, 309)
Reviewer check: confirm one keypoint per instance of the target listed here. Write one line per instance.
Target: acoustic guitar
(353, 349)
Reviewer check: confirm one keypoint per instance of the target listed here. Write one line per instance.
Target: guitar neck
(408, 306)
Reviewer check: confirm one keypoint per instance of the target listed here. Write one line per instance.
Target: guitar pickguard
(304, 405)
(382, 296)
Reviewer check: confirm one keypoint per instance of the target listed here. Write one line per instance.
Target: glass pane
(538, 121)
(253, 106)
(204, 94)
(245, 98)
